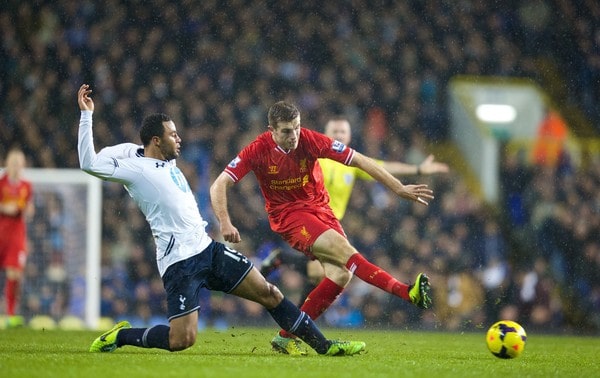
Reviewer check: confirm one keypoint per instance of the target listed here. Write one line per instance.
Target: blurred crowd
(216, 67)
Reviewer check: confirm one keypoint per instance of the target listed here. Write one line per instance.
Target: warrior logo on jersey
(273, 170)
(338, 146)
(234, 162)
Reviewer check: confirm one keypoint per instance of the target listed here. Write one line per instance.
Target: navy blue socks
(291, 319)
(154, 337)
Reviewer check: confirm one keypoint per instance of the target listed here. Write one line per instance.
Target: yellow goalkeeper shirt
(339, 181)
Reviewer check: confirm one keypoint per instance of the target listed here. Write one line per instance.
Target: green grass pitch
(246, 353)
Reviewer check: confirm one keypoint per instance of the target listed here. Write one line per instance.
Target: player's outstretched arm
(118, 151)
(218, 200)
(428, 167)
(89, 161)
(85, 142)
(419, 193)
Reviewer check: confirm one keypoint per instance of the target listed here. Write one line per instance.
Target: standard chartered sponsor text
(288, 184)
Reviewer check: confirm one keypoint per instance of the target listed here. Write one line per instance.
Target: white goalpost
(65, 237)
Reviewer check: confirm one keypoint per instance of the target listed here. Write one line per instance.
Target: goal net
(62, 274)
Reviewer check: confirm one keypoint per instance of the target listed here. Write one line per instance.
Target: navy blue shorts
(217, 268)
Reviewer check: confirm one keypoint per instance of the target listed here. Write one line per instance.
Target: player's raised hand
(430, 166)
(84, 99)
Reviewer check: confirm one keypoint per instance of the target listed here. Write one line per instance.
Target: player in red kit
(284, 160)
(15, 205)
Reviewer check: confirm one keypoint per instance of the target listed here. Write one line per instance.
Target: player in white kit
(187, 258)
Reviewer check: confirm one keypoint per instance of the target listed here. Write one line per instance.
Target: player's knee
(314, 271)
(182, 341)
(339, 275)
(274, 296)
(275, 293)
(14, 274)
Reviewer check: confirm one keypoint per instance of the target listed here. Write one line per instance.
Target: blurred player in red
(284, 161)
(15, 206)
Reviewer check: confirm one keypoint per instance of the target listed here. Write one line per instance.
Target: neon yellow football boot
(107, 342)
(419, 292)
(345, 348)
(290, 346)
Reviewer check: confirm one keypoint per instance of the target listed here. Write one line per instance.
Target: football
(506, 339)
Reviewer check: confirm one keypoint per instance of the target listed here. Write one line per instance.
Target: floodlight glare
(496, 113)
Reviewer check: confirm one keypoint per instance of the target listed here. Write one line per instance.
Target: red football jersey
(289, 180)
(19, 193)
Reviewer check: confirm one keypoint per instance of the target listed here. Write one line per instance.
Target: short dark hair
(338, 117)
(282, 112)
(153, 126)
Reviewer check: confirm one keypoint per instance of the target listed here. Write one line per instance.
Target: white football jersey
(123, 150)
(159, 189)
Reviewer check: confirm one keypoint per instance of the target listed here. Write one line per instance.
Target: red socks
(327, 291)
(11, 294)
(319, 300)
(376, 276)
